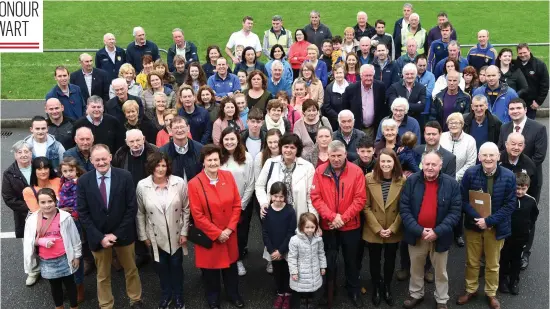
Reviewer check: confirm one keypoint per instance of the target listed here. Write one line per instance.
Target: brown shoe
(80, 293)
(89, 267)
(411, 302)
(441, 306)
(429, 275)
(465, 298)
(493, 302)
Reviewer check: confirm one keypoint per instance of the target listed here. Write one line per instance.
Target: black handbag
(194, 234)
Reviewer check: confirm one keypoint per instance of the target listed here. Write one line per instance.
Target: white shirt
(521, 125)
(340, 89)
(244, 177)
(112, 54)
(39, 149)
(88, 80)
(239, 38)
(253, 146)
(182, 150)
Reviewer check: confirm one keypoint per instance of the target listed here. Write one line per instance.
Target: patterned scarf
(287, 180)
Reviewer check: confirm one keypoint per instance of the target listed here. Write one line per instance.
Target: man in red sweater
(338, 194)
(430, 207)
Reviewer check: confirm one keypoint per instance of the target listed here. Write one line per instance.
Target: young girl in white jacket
(306, 260)
(51, 236)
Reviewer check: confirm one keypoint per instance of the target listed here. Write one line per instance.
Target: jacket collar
(65, 120)
(283, 31)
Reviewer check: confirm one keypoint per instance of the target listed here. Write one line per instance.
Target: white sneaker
(240, 267)
(269, 267)
(32, 279)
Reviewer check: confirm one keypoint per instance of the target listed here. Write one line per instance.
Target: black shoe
(213, 306)
(388, 297)
(179, 303)
(503, 285)
(514, 287)
(376, 291)
(137, 305)
(356, 300)
(303, 303)
(524, 262)
(237, 303)
(459, 241)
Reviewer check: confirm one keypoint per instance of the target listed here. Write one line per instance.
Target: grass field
(82, 25)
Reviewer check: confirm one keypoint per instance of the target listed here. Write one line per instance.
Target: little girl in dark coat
(410, 159)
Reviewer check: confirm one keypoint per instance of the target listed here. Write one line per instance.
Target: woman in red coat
(216, 207)
(297, 53)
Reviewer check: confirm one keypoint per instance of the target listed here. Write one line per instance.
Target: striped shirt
(386, 183)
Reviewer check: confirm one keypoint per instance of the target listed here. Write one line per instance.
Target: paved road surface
(257, 287)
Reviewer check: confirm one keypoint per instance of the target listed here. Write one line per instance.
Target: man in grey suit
(536, 145)
(432, 134)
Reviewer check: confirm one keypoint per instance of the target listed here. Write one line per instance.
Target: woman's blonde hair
(456, 116)
(130, 104)
(125, 68)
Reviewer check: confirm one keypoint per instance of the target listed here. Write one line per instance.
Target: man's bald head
(54, 109)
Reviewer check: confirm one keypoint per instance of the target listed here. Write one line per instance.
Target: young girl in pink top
(52, 240)
(299, 95)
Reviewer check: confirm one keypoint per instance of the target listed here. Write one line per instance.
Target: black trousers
(295, 73)
(347, 241)
(213, 284)
(458, 229)
(56, 286)
(282, 276)
(529, 244)
(19, 220)
(243, 228)
(375, 261)
(510, 257)
(405, 259)
(361, 245)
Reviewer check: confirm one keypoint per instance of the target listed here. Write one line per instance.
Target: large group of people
(365, 141)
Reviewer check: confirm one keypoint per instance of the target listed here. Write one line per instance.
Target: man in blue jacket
(223, 83)
(498, 94)
(111, 57)
(453, 48)
(68, 94)
(483, 53)
(385, 70)
(196, 116)
(139, 47)
(485, 236)
(181, 47)
(430, 207)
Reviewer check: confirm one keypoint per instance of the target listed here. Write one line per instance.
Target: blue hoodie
(479, 57)
(500, 107)
(199, 124)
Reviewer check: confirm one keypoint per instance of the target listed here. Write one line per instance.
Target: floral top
(68, 196)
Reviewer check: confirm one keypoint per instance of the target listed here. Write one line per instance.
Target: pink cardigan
(219, 126)
(297, 54)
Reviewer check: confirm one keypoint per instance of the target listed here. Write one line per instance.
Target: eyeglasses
(455, 124)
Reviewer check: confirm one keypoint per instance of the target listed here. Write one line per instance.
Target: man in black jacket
(515, 160)
(481, 124)
(536, 74)
(107, 208)
(91, 81)
(366, 100)
(59, 125)
(111, 57)
(414, 92)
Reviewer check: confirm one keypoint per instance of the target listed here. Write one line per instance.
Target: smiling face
(337, 158)
(95, 110)
(62, 78)
(87, 63)
(299, 90)
(366, 154)
(381, 52)
(311, 113)
(47, 204)
(524, 54)
(312, 55)
(159, 103)
(488, 158)
(351, 62)
(432, 136)
(482, 38)
(273, 144)
(221, 67)
(309, 228)
(68, 171)
(229, 110)
(276, 72)
(277, 53)
(206, 96)
(386, 163)
(212, 163)
(101, 159)
(289, 152)
(515, 144)
(129, 76)
(506, 58)
(242, 77)
(109, 41)
(160, 169)
(306, 73)
(398, 113)
(213, 54)
(230, 142)
(54, 109)
(39, 130)
(250, 56)
(431, 165)
(275, 113)
(455, 126)
(346, 124)
(327, 48)
(390, 133)
(194, 72)
(479, 107)
(299, 36)
(23, 156)
(156, 82)
(180, 130)
(517, 112)
(324, 137)
(148, 67)
(187, 98)
(43, 173)
(178, 38)
(241, 103)
(339, 74)
(131, 114)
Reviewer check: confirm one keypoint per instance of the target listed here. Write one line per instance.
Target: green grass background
(82, 25)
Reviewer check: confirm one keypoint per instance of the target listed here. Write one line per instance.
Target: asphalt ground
(257, 287)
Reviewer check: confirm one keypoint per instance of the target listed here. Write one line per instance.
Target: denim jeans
(79, 274)
(170, 271)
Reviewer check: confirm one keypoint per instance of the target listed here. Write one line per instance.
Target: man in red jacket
(338, 194)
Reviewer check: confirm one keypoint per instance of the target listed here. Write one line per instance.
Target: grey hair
(94, 99)
(83, 55)
(515, 134)
(277, 18)
(119, 81)
(133, 131)
(177, 29)
(388, 123)
(489, 146)
(108, 34)
(453, 43)
(277, 63)
(480, 98)
(434, 151)
(407, 5)
(20, 145)
(415, 15)
(344, 113)
(362, 13)
(410, 67)
(400, 102)
(136, 29)
(315, 12)
(160, 94)
(364, 67)
(455, 73)
(79, 130)
(365, 38)
(336, 145)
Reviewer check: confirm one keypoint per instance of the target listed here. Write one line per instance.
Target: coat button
(151, 212)
(177, 232)
(155, 234)
(176, 221)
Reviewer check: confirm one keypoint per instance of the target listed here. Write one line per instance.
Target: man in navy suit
(107, 208)
(536, 145)
(367, 101)
(91, 81)
(111, 57)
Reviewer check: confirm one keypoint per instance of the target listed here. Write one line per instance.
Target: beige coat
(163, 227)
(382, 216)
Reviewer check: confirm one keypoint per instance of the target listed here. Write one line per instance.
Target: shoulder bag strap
(269, 175)
(206, 197)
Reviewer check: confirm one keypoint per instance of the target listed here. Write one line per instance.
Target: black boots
(388, 297)
(381, 290)
(376, 293)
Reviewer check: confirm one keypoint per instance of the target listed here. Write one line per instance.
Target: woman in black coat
(16, 178)
(511, 74)
(332, 103)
